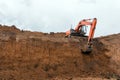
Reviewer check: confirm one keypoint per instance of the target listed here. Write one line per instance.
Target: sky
(61, 15)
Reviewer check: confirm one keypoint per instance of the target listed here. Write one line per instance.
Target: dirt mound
(26, 55)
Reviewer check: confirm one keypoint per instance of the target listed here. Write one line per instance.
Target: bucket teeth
(87, 51)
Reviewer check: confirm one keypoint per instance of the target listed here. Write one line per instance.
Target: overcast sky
(59, 15)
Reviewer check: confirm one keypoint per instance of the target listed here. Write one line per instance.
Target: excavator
(81, 30)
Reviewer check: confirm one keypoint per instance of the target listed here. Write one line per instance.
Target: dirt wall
(26, 55)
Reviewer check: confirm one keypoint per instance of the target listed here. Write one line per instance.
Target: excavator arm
(90, 37)
(92, 29)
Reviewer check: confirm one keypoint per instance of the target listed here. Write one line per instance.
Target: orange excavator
(81, 30)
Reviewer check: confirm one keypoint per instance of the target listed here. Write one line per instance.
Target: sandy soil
(26, 55)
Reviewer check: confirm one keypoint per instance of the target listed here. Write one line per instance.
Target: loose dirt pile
(26, 55)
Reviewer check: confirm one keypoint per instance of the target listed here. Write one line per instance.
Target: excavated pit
(26, 55)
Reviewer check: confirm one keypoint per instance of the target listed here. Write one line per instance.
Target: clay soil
(26, 55)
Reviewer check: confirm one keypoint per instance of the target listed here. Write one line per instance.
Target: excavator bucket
(88, 50)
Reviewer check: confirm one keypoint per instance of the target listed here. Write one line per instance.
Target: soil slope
(26, 55)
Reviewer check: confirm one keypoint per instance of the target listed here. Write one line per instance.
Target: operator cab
(82, 32)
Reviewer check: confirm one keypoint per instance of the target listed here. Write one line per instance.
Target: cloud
(26, 2)
(58, 15)
(87, 1)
